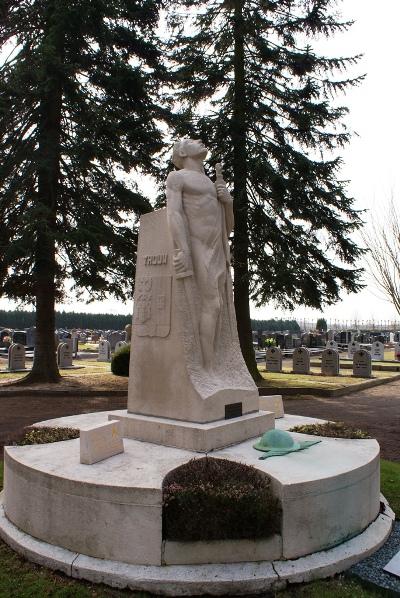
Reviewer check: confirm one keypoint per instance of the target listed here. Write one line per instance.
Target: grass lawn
(315, 379)
(20, 579)
(95, 375)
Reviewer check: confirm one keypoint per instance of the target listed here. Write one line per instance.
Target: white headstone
(16, 357)
(352, 348)
(75, 342)
(330, 334)
(64, 355)
(332, 345)
(330, 362)
(100, 442)
(119, 345)
(104, 351)
(397, 351)
(377, 351)
(391, 337)
(301, 361)
(362, 366)
(273, 359)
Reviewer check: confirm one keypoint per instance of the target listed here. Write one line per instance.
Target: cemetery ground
(376, 410)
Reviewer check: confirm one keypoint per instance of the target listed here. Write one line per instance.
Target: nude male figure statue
(200, 219)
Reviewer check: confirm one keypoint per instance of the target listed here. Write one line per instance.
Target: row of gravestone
(377, 349)
(16, 354)
(330, 365)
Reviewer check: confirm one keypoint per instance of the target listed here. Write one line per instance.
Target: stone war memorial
(97, 507)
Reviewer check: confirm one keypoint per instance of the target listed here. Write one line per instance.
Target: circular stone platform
(103, 522)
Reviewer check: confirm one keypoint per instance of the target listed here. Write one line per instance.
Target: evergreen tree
(80, 107)
(256, 92)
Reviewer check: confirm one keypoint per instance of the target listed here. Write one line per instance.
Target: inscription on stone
(362, 366)
(330, 362)
(301, 361)
(273, 359)
(156, 260)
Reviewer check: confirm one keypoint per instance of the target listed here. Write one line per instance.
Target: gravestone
(119, 345)
(330, 334)
(273, 359)
(19, 336)
(288, 341)
(378, 351)
(301, 361)
(114, 337)
(397, 351)
(362, 364)
(128, 333)
(16, 357)
(352, 348)
(64, 355)
(104, 351)
(75, 341)
(31, 337)
(332, 345)
(330, 362)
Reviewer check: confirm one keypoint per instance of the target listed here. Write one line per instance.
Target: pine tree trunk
(45, 367)
(241, 243)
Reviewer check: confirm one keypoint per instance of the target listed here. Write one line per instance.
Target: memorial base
(192, 436)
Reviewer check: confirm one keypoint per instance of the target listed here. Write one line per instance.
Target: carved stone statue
(186, 363)
(200, 219)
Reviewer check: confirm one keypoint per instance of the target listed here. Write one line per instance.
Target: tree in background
(256, 92)
(321, 325)
(383, 242)
(79, 106)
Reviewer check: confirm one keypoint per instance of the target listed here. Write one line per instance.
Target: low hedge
(120, 361)
(47, 434)
(216, 499)
(331, 430)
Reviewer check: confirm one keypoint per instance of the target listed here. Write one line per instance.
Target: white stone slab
(393, 565)
(377, 351)
(193, 436)
(100, 442)
(222, 551)
(119, 345)
(272, 403)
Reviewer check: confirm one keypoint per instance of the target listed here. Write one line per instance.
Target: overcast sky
(372, 158)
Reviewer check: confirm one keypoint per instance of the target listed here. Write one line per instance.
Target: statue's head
(187, 148)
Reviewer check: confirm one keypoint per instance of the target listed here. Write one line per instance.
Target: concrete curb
(217, 580)
(325, 392)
